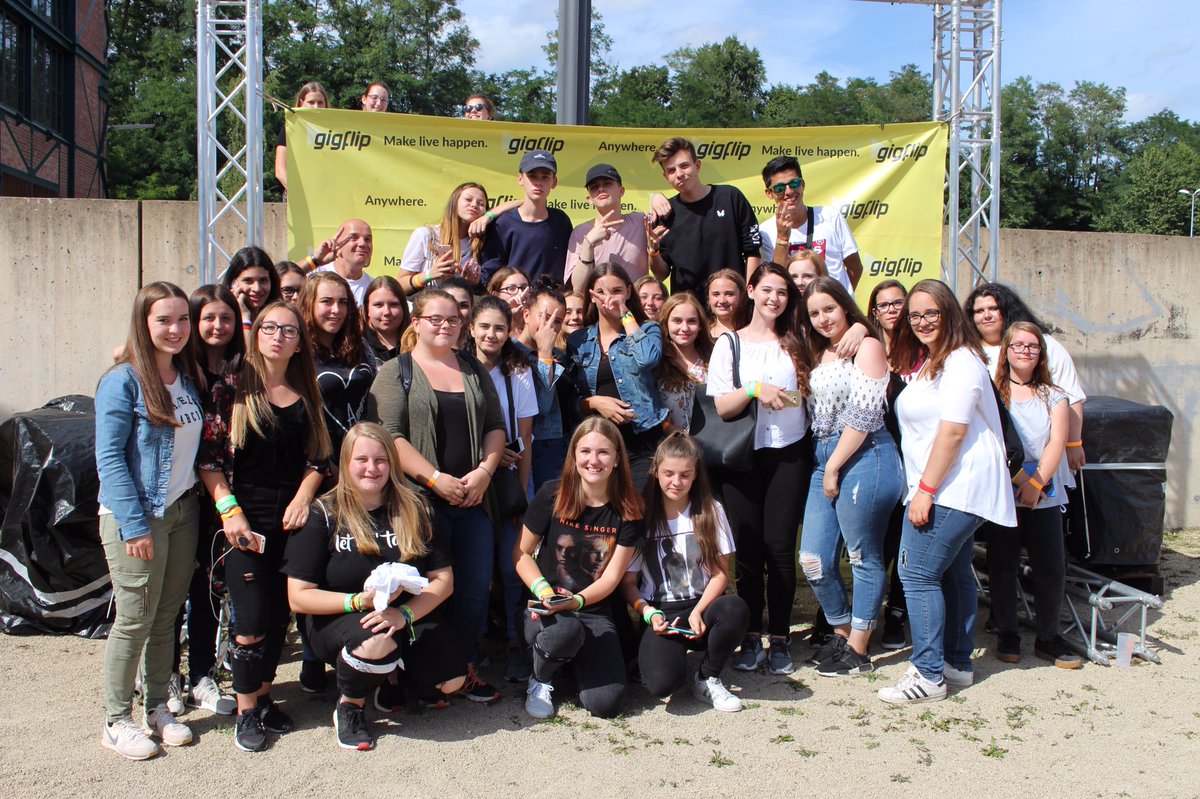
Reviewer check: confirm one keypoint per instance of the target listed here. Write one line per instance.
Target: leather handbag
(727, 444)
(506, 484)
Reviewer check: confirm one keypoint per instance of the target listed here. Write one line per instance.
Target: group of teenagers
(521, 440)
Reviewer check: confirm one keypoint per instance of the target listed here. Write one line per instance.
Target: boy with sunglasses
(797, 227)
(533, 236)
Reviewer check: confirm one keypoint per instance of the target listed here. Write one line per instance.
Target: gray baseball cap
(538, 159)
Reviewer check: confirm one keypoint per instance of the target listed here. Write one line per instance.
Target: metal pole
(574, 61)
(994, 151)
(1192, 227)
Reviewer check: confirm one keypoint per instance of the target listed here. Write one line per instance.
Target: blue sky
(1148, 47)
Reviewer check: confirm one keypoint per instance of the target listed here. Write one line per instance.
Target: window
(48, 97)
(53, 10)
(11, 62)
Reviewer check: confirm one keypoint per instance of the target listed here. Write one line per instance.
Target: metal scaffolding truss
(229, 134)
(966, 94)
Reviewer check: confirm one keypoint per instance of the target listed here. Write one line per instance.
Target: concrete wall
(1122, 304)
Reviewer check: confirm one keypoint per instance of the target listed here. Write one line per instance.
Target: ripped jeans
(869, 486)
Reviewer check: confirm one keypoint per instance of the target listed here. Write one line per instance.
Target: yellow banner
(396, 171)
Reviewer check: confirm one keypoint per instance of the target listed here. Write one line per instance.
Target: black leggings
(588, 643)
(1040, 532)
(663, 658)
(891, 557)
(765, 506)
(258, 590)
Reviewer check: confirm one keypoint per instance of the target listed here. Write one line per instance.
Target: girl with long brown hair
(728, 304)
(148, 422)
(262, 461)
(369, 519)
(677, 581)
(447, 249)
(687, 348)
(585, 528)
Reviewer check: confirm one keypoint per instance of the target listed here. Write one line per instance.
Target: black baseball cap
(538, 159)
(602, 171)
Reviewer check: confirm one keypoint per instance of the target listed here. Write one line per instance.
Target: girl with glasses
(264, 454)
(291, 280)
(1040, 414)
(512, 285)
(957, 477)
(450, 434)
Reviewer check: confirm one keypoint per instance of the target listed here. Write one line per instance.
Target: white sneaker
(161, 722)
(207, 695)
(175, 702)
(913, 689)
(957, 677)
(128, 740)
(538, 703)
(712, 691)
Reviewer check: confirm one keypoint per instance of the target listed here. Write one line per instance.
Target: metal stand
(230, 159)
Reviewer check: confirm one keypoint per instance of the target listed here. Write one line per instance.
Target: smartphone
(794, 398)
(559, 600)
(258, 539)
(442, 249)
(680, 630)
(517, 446)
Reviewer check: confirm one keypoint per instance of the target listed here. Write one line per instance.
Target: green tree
(717, 85)
(1022, 180)
(638, 97)
(1148, 198)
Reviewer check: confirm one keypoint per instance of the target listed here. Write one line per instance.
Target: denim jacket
(633, 359)
(548, 424)
(133, 456)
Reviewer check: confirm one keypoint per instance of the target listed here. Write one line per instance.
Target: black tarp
(53, 575)
(1115, 516)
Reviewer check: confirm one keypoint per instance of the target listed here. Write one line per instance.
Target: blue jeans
(548, 456)
(935, 567)
(869, 486)
(508, 533)
(470, 537)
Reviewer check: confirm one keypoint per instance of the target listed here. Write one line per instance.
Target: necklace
(1019, 383)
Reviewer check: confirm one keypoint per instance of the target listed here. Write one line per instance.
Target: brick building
(53, 97)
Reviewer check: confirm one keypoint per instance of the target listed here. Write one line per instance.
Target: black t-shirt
(333, 562)
(278, 459)
(344, 392)
(574, 552)
(452, 440)
(717, 232)
(381, 352)
(281, 139)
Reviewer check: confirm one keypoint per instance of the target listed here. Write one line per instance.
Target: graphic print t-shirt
(574, 552)
(671, 567)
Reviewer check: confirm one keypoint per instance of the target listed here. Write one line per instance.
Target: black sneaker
(517, 668)
(1008, 648)
(350, 724)
(313, 679)
(828, 649)
(249, 736)
(845, 663)
(274, 719)
(893, 630)
(1055, 651)
(476, 690)
(821, 629)
(389, 698)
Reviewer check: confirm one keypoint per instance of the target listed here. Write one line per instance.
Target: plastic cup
(1125, 644)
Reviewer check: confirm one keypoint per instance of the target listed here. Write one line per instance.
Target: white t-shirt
(358, 286)
(765, 361)
(831, 238)
(1032, 422)
(1062, 367)
(676, 573)
(418, 255)
(978, 481)
(190, 414)
(524, 396)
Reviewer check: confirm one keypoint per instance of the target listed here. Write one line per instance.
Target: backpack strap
(405, 363)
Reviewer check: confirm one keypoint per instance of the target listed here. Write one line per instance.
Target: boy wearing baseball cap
(612, 237)
(534, 236)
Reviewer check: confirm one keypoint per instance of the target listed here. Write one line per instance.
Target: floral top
(679, 401)
(842, 396)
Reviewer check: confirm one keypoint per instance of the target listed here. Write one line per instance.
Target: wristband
(547, 361)
(485, 471)
(582, 601)
(1016, 478)
(312, 263)
(925, 488)
(752, 389)
(586, 263)
(226, 502)
(627, 318)
(1073, 444)
(490, 215)
(637, 606)
(653, 253)
(1033, 481)
(348, 603)
(650, 613)
(433, 478)
(407, 613)
(229, 514)
(537, 585)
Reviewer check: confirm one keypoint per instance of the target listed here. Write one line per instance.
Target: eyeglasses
(894, 305)
(269, 329)
(378, 98)
(1032, 349)
(929, 317)
(982, 311)
(474, 107)
(289, 291)
(511, 290)
(794, 184)
(438, 321)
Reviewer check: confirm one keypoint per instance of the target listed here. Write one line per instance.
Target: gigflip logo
(343, 140)
(896, 153)
(523, 144)
(715, 151)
